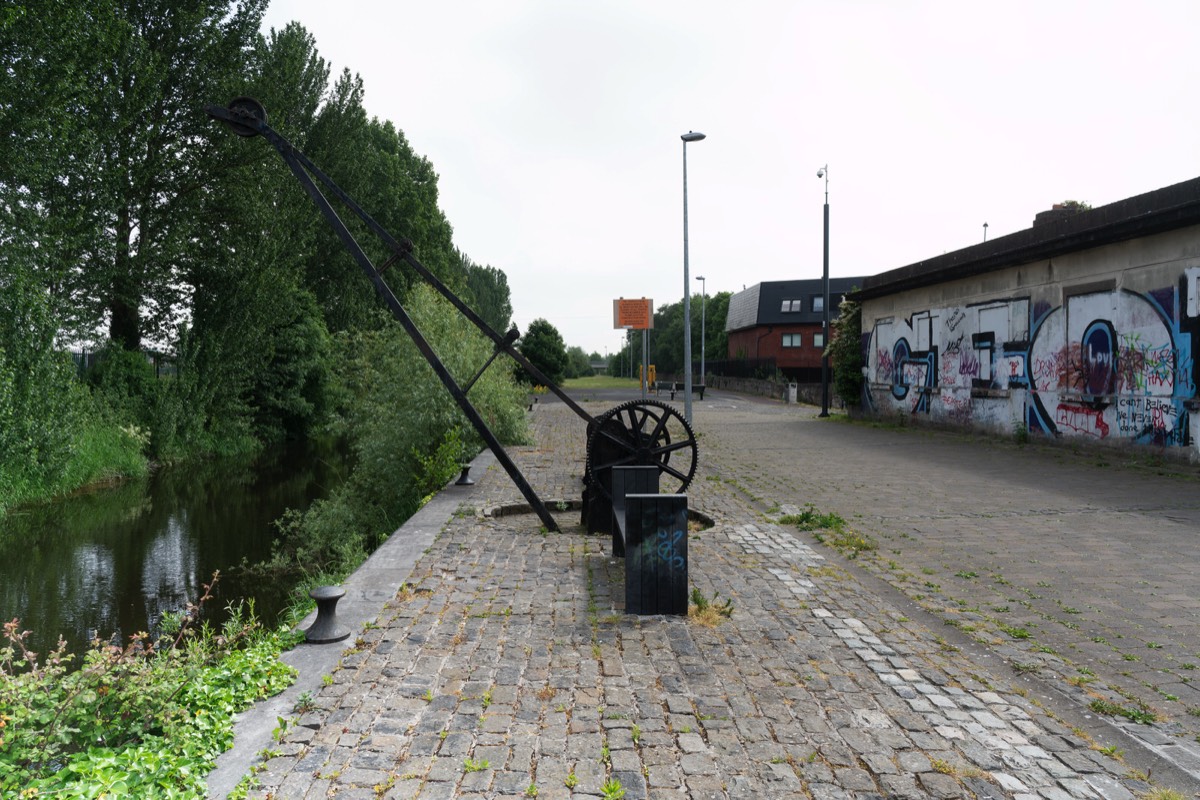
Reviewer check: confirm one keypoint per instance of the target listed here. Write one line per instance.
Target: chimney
(1056, 213)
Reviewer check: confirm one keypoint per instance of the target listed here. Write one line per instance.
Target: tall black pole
(825, 311)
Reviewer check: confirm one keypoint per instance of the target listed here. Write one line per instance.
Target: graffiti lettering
(968, 364)
(1051, 370)
(1140, 415)
(957, 407)
(884, 368)
(1088, 421)
(1128, 355)
(1144, 368)
(666, 550)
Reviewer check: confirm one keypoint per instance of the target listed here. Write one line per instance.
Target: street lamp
(823, 172)
(703, 296)
(690, 136)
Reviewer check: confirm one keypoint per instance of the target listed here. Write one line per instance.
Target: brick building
(782, 320)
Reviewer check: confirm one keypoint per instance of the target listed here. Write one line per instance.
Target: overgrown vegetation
(845, 352)
(1139, 713)
(130, 223)
(709, 613)
(830, 528)
(666, 341)
(408, 436)
(143, 720)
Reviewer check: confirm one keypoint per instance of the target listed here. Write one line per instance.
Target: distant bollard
(325, 628)
(465, 479)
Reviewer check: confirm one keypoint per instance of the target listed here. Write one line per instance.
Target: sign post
(637, 315)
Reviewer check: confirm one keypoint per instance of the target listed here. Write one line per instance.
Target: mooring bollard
(325, 628)
(465, 479)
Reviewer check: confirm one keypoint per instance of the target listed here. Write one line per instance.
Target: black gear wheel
(643, 433)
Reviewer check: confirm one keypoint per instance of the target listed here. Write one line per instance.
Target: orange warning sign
(636, 314)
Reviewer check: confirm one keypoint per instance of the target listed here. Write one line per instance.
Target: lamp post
(690, 136)
(703, 297)
(823, 172)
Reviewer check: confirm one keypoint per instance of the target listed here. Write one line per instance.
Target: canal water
(110, 563)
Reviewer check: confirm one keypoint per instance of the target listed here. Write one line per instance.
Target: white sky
(554, 127)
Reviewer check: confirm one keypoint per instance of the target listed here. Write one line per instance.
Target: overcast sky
(554, 126)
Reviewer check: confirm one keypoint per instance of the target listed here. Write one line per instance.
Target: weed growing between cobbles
(830, 528)
(144, 720)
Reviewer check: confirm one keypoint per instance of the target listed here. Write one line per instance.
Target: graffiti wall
(1104, 364)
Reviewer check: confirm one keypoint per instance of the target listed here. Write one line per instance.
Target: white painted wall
(1094, 345)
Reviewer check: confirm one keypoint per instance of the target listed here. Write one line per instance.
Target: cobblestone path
(505, 666)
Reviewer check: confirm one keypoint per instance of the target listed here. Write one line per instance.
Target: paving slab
(498, 660)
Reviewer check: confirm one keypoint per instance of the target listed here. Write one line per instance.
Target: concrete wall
(1094, 345)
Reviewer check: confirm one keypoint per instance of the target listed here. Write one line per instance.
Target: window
(790, 306)
(819, 340)
(819, 303)
(791, 340)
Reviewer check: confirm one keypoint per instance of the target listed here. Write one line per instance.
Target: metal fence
(758, 368)
(85, 360)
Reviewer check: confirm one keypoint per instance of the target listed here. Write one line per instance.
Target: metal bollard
(325, 628)
(465, 479)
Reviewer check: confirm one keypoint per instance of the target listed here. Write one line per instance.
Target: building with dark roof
(1082, 326)
(782, 321)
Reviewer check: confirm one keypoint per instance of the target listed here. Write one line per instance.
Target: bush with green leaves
(408, 435)
(53, 435)
(147, 719)
(845, 352)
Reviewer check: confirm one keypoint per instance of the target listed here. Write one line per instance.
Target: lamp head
(692, 136)
(821, 173)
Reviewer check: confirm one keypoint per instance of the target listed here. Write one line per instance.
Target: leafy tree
(488, 287)
(407, 433)
(716, 340)
(543, 345)
(40, 405)
(258, 342)
(845, 352)
(708, 330)
(619, 363)
(373, 162)
(120, 191)
(578, 363)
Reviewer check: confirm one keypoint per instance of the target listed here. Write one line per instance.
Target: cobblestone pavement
(505, 666)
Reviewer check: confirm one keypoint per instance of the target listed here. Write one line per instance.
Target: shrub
(845, 352)
(143, 720)
(408, 435)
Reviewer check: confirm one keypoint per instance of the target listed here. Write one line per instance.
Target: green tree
(578, 363)
(666, 340)
(716, 340)
(122, 187)
(408, 434)
(543, 345)
(845, 352)
(708, 331)
(40, 404)
(488, 288)
(619, 363)
(254, 361)
(372, 161)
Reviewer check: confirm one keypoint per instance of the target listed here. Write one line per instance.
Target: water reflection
(111, 563)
